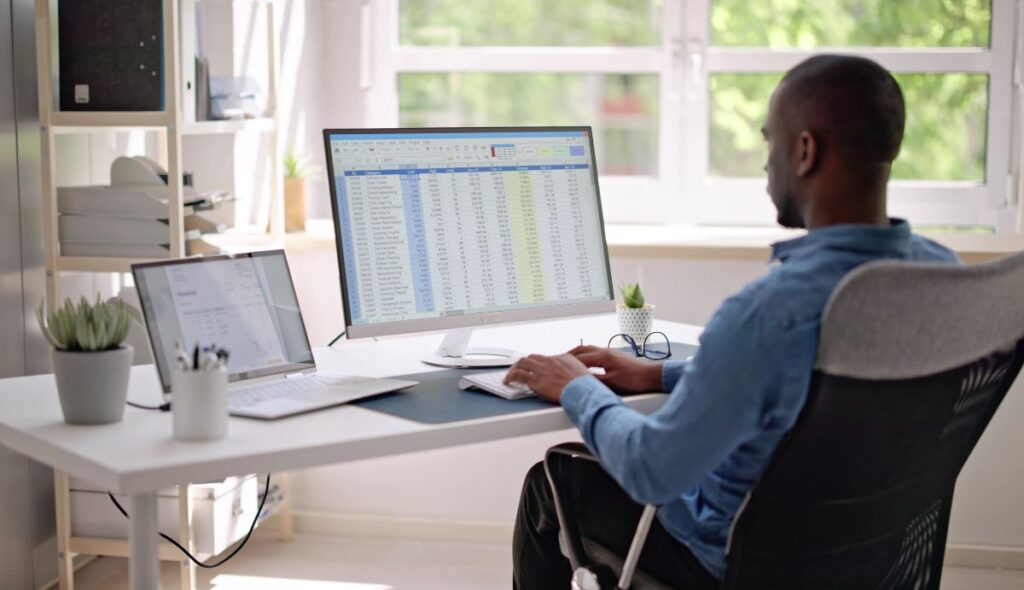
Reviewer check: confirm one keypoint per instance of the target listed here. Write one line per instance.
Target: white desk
(137, 456)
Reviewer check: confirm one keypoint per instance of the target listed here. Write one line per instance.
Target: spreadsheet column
(394, 292)
(419, 254)
(361, 231)
(525, 244)
(549, 228)
(505, 266)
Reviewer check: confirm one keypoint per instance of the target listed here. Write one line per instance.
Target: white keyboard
(242, 397)
(493, 382)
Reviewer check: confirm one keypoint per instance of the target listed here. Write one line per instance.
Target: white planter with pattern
(636, 322)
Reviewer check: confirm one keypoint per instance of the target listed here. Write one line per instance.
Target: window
(677, 90)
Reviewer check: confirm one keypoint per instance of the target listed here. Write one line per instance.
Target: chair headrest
(900, 320)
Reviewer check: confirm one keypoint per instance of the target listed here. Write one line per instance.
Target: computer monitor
(462, 227)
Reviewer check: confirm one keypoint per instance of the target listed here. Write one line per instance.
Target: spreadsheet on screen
(442, 224)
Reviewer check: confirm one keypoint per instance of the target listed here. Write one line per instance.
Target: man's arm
(671, 373)
(719, 402)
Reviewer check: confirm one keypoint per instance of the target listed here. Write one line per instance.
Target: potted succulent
(636, 317)
(89, 360)
(297, 170)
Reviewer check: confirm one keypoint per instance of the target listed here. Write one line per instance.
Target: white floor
(317, 562)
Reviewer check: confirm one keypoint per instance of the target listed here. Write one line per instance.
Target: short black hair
(857, 98)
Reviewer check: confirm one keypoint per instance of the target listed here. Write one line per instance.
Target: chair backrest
(912, 363)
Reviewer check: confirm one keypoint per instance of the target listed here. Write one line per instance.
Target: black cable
(165, 407)
(245, 540)
(336, 338)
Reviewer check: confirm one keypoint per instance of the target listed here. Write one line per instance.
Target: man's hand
(547, 376)
(623, 373)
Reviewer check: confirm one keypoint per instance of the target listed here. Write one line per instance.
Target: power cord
(336, 338)
(165, 407)
(259, 511)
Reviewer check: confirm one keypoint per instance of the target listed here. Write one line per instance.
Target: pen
(180, 357)
(209, 358)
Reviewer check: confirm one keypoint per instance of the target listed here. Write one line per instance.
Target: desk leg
(144, 563)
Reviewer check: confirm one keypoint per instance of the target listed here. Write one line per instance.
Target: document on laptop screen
(228, 303)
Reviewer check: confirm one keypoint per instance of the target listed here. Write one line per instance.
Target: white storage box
(222, 512)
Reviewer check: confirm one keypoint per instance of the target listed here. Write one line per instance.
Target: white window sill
(736, 243)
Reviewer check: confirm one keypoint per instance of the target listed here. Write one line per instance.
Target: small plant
(297, 165)
(85, 327)
(632, 296)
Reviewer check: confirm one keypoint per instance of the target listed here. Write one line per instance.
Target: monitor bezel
(477, 319)
(165, 380)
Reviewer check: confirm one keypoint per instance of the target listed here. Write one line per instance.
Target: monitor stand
(455, 351)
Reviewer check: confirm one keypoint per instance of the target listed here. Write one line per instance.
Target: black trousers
(605, 514)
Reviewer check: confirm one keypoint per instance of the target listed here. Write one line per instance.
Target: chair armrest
(557, 460)
(575, 450)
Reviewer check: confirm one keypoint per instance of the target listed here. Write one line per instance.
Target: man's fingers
(595, 358)
(516, 375)
(584, 349)
(529, 363)
(524, 369)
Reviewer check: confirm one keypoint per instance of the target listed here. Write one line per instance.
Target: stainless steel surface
(12, 354)
(26, 488)
(29, 183)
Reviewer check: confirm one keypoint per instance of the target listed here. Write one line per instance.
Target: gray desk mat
(437, 398)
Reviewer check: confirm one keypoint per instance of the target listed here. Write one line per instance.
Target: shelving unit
(177, 121)
(173, 124)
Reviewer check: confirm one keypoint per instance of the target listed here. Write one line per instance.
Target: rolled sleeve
(671, 373)
(584, 399)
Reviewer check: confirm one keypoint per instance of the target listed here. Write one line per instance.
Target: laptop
(245, 304)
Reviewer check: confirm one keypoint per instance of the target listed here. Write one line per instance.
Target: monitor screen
(458, 227)
(245, 304)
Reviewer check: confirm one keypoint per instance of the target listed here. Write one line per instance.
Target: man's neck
(825, 218)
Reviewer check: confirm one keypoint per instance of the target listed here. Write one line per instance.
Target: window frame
(683, 191)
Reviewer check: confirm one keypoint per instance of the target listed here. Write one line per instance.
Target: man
(834, 127)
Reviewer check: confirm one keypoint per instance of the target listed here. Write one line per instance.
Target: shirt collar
(854, 237)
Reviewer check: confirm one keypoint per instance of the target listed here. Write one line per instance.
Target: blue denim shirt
(730, 406)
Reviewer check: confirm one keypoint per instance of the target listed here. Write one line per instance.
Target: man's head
(834, 126)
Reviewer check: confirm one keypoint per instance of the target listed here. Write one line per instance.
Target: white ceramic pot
(92, 386)
(199, 404)
(636, 322)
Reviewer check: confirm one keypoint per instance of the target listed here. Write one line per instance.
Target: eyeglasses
(655, 345)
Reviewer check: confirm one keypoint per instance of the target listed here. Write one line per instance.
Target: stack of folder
(128, 219)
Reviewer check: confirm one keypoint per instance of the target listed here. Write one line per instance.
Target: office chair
(913, 361)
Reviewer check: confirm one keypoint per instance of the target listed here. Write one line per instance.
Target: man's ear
(807, 158)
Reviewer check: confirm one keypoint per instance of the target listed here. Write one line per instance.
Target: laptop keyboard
(240, 397)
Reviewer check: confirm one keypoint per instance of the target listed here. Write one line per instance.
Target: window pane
(622, 109)
(562, 23)
(864, 23)
(944, 138)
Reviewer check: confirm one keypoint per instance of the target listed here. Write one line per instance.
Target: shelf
(232, 126)
(235, 241)
(98, 263)
(244, 239)
(77, 122)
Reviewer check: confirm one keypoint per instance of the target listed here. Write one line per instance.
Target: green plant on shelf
(297, 165)
(632, 296)
(85, 327)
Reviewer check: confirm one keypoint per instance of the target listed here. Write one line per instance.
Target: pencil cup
(199, 402)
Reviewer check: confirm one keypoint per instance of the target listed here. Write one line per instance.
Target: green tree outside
(947, 113)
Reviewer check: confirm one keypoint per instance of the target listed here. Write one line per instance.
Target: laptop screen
(244, 304)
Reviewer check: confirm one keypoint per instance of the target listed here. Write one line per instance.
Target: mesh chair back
(913, 361)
